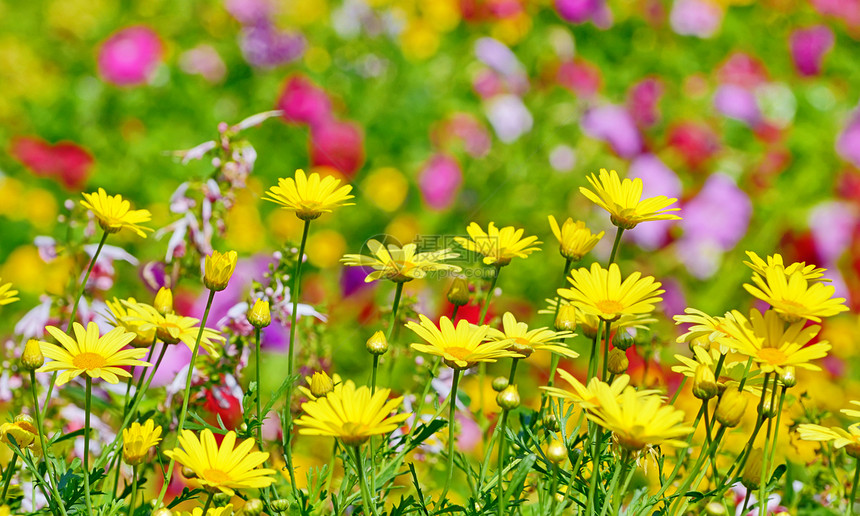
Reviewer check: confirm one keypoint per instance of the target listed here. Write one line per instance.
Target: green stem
(592, 357)
(618, 234)
(208, 502)
(259, 400)
(613, 485)
(88, 407)
(606, 352)
(451, 418)
(778, 421)
(51, 472)
(126, 404)
(369, 504)
(10, 470)
(398, 292)
(678, 390)
(765, 467)
(186, 396)
(482, 367)
(553, 489)
(133, 491)
(373, 374)
(854, 488)
(502, 503)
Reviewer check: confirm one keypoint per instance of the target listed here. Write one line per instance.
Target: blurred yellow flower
(114, 213)
(794, 298)
(224, 467)
(499, 246)
(351, 414)
(325, 248)
(137, 440)
(600, 292)
(219, 269)
(419, 41)
(400, 264)
(461, 347)
(525, 342)
(309, 196)
(850, 439)
(623, 200)
(574, 238)
(7, 295)
(386, 187)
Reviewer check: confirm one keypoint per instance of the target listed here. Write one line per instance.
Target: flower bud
(623, 340)
(221, 499)
(751, 477)
(458, 294)
(188, 473)
(509, 398)
(259, 315)
(789, 377)
(766, 408)
(705, 383)
(500, 383)
(377, 344)
(321, 384)
(218, 268)
(556, 452)
(164, 301)
(617, 362)
(715, 509)
(566, 318)
(32, 357)
(731, 408)
(253, 507)
(280, 505)
(550, 422)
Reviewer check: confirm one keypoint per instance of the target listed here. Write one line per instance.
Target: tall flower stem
(208, 502)
(482, 367)
(10, 471)
(778, 421)
(606, 352)
(87, 408)
(51, 473)
(768, 436)
(133, 491)
(502, 445)
(186, 395)
(854, 489)
(369, 504)
(451, 415)
(259, 400)
(398, 293)
(615, 244)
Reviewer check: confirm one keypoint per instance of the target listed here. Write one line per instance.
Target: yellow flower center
(89, 361)
(772, 356)
(216, 476)
(609, 306)
(458, 352)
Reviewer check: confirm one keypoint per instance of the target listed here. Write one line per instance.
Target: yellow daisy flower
(123, 316)
(759, 266)
(6, 294)
(525, 342)
(639, 420)
(115, 213)
(218, 269)
(172, 328)
(400, 264)
(574, 238)
(25, 433)
(137, 440)
(588, 323)
(704, 326)
(309, 196)
(852, 412)
(227, 510)
(600, 292)
(794, 298)
(351, 414)
(224, 468)
(98, 357)
(850, 439)
(587, 397)
(731, 372)
(773, 346)
(461, 347)
(499, 246)
(623, 200)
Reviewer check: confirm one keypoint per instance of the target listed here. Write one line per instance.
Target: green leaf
(519, 478)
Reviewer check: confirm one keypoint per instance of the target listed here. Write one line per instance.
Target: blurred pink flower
(832, 225)
(580, 77)
(129, 57)
(67, 162)
(339, 145)
(264, 45)
(846, 10)
(696, 143)
(738, 103)
(657, 179)
(581, 11)
(848, 143)
(808, 48)
(700, 18)
(742, 69)
(614, 125)
(439, 181)
(303, 102)
(642, 101)
(203, 60)
(248, 12)
(464, 128)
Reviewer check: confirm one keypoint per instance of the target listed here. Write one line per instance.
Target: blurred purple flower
(265, 46)
(832, 224)
(497, 56)
(657, 179)
(808, 48)
(352, 280)
(562, 158)
(848, 143)
(700, 18)
(440, 180)
(509, 117)
(737, 102)
(130, 56)
(614, 125)
(249, 12)
(642, 100)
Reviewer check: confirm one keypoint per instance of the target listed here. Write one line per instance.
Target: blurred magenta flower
(738, 103)
(339, 145)
(695, 142)
(488, 83)
(303, 102)
(614, 125)
(808, 48)
(742, 69)
(700, 18)
(642, 101)
(130, 56)
(249, 12)
(580, 77)
(848, 143)
(581, 11)
(439, 180)
(67, 162)
(657, 179)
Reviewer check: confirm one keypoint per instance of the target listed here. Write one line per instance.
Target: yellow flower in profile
(600, 292)
(461, 347)
(587, 397)
(773, 346)
(639, 420)
(98, 357)
(400, 264)
(499, 246)
(794, 298)
(574, 238)
(137, 440)
(731, 372)
(524, 341)
(224, 468)
(24, 432)
(623, 200)
(114, 213)
(6, 294)
(351, 414)
(309, 196)
(850, 439)
(759, 266)
(172, 328)
(704, 326)
(124, 315)
(218, 269)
